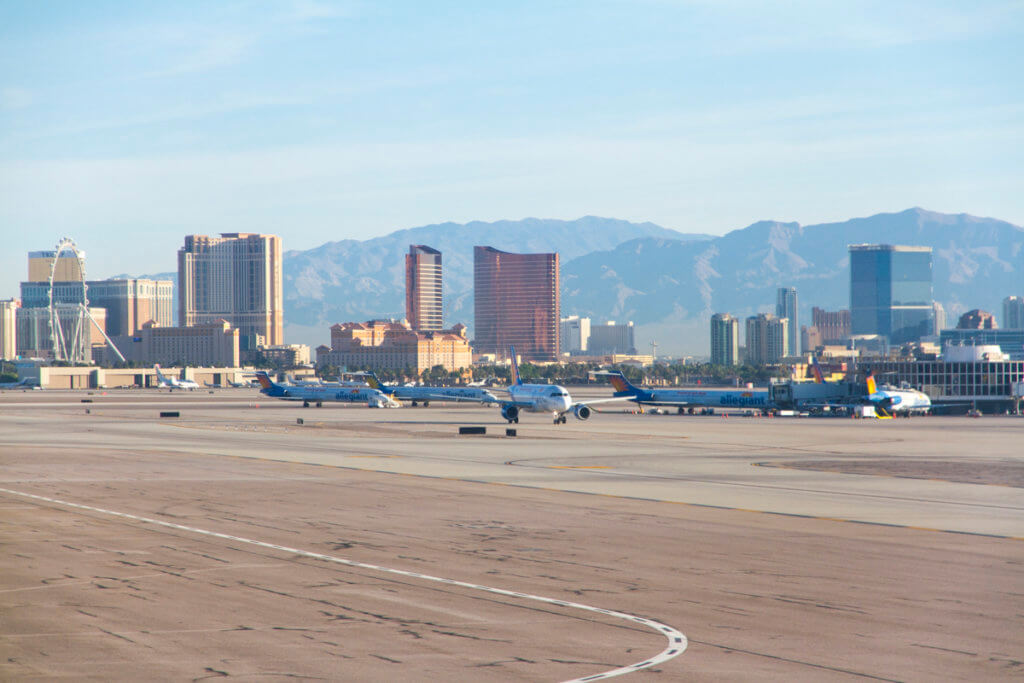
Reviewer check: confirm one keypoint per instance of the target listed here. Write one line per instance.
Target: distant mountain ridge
(357, 280)
(976, 263)
(667, 282)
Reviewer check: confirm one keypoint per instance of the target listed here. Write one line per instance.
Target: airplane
(173, 383)
(22, 383)
(889, 401)
(428, 393)
(373, 398)
(541, 398)
(688, 398)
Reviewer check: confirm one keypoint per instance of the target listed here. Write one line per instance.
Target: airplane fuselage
(902, 400)
(717, 398)
(474, 394)
(319, 394)
(540, 398)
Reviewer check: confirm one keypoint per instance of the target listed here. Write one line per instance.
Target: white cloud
(15, 98)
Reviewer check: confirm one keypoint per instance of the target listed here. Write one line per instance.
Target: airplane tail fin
(375, 383)
(159, 374)
(516, 379)
(264, 380)
(816, 369)
(872, 387)
(621, 384)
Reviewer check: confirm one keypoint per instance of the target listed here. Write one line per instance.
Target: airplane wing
(517, 404)
(429, 396)
(601, 400)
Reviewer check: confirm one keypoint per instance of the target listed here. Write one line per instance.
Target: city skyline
(324, 121)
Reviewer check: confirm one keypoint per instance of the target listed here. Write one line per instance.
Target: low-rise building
(394, 345)
(210, 344)
(286, 355)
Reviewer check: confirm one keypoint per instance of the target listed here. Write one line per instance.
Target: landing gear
(305, 404)
(414, 404)
(426, 404)
(319, 404)
(559, 419)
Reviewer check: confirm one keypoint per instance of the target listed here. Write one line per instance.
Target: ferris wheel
(73, 348)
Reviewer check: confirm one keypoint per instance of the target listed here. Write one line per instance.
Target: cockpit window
(556, 393)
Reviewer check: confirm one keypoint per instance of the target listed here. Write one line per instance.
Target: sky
(127, 125)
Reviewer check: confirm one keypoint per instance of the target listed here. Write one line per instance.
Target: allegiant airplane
(318, 394)
(687, 398)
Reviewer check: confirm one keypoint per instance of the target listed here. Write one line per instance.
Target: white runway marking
(677, 642)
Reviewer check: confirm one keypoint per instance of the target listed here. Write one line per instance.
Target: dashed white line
(677, 642)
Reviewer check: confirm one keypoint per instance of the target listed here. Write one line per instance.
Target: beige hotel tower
(234, 277)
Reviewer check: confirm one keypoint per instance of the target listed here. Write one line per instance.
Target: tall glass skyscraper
(786, 307)
(891, 291)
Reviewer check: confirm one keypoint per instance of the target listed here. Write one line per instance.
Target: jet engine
(510, 412)
(582, 412)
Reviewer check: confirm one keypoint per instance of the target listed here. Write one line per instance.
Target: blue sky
(129, 125)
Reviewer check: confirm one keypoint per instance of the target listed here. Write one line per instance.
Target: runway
(657, 517)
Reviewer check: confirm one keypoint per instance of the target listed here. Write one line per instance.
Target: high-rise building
(725, 339)
(8, 329)
(235, 277)
(1013, 313)
(130, 304)
(611, 338)
(574, 334)
(423, 297)
(767, 338)
(67, 268)
(77, 333)
(891, 291)
(516, 303)
(938, 318)
(786, 307)
(834, 326)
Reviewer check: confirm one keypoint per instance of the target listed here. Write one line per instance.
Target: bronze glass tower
(516, 303)
(423, 288)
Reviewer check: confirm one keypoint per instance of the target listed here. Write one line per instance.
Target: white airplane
(173, 383)
(427, 394)
(887, 401)
(317, 394)
(542, 398)
(892, 401)
(20, 384)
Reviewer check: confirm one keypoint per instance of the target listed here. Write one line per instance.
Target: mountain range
(667, 282)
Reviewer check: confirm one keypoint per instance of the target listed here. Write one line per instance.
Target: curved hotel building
(516, 303)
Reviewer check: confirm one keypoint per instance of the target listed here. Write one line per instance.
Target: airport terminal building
(966, 374)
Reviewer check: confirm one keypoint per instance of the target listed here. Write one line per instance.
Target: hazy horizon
(127, 126)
